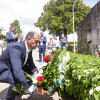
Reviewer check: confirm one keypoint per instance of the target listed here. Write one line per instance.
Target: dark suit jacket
(11, 65)
(10, 39)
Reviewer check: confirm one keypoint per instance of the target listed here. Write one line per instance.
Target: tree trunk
(60, 33)
(65, 33)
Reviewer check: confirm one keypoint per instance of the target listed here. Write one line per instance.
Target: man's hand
(62, 40)
(40, 90)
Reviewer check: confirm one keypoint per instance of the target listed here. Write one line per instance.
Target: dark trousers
(41, 51)
(12, 81)
(11, 94)
(7, 77)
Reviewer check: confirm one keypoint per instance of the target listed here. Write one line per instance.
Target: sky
(90, 3)
(26, 12)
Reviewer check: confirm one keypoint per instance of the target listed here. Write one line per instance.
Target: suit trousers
(12, 81)
(41, 51)
(6, 76)
(11, 94)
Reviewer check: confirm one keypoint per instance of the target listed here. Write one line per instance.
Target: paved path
(34, 96)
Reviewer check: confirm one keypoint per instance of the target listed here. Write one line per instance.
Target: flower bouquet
(53, 50)
(37, 79)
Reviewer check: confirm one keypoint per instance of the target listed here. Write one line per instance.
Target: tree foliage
(57, 16)
(3, 36)
(16, 24)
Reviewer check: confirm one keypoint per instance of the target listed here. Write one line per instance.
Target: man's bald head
(32, 40)
(31, 35)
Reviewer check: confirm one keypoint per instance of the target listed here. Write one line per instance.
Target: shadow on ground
(53, 96)
(3, 94)
(34, 96)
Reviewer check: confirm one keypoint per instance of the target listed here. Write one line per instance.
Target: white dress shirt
(12, 34)
(32, 87)
(27, 52)
(41, 42)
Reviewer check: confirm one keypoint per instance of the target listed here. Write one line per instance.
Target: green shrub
(71, 47)
(81, 75)
(3, 36)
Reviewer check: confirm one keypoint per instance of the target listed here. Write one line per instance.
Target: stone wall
(89, 31)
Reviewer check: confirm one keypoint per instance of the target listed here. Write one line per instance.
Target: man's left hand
(41, 91)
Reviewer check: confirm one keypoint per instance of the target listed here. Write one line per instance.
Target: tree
(16, 24)
(57, 16)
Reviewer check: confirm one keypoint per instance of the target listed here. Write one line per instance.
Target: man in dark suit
(11, 36)
(16, 60)
(42, 46)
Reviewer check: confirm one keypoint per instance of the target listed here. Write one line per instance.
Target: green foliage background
(16, 24)
(3, 36)
(71, 47)
(81, 74)
(57, 16)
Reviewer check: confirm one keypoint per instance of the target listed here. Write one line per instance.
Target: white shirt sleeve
(32, 88)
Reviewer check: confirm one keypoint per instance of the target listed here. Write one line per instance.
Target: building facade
(89, 32)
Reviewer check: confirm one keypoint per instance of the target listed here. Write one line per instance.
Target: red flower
(40, 78)
(99, 54)
(46, 58)
(37, 71)
(97, 50)
(53, 51)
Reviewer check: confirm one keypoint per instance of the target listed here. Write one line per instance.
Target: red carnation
(99, 54)
(40, 78)
(53, 51)
(46, 58)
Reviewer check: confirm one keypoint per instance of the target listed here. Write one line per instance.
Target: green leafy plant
(81, 75)
(19, 89)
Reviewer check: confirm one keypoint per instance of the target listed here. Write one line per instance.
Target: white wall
(71, 38)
